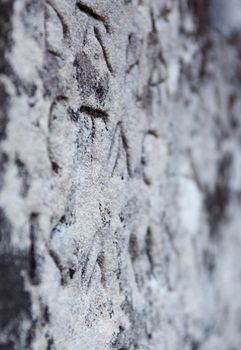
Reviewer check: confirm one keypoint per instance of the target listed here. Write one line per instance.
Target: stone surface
(120, 176)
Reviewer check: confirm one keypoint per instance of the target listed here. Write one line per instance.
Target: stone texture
(120, 176)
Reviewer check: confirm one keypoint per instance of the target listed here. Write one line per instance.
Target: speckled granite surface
(120, 177)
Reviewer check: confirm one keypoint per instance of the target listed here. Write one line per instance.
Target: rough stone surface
(120, 176)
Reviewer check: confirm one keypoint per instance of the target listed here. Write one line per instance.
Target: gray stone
(120, 176)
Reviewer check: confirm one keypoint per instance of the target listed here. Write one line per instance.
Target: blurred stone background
(120, 174)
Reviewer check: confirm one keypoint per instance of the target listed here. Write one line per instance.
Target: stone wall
(120, 176)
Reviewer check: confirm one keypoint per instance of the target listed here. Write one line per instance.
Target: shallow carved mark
(133, 247)
(155, 134)
(153, 22)
(122, 141)
(23, 175)
(34, 258)
(209, 261)
(149, 248)
(5, 232)
(88, 267)
(158, 73)
(56, 259)
(68, 270)
(56, 168)
(196, 177)
(63, 21)
(6, 15)
(57, 227)
(217, 200)
(95, 257)
(4, 102)
(134, 251)
(54, 165)
(126, 146)
(84, 269)
(171, 238)
(101, 263)
(115, 139)
(104, 49)
(53, 117)
(131, 66)
(3, 167)
(132, 52)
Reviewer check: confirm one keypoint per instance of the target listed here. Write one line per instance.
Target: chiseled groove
(58, 264)
(56, 54)
(33, 271)
(94, 112)
(90, 12)
(153, 133)
(126, 148)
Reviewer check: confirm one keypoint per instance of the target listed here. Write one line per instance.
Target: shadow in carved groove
(92, 14)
